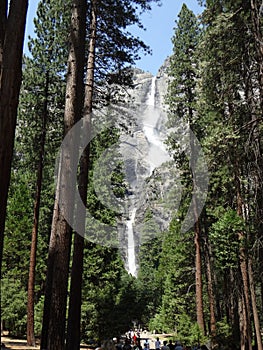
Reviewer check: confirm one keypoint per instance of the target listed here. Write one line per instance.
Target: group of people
(134, 343)
(176, 346)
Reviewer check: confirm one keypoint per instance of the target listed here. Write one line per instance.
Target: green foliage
(183, 68)
(224, 236)
(224, 337)
(108, 296)
(188, 331)
(18, 228)
(175, 281)
(13, 304)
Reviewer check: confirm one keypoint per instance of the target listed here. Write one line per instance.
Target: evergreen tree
(42, 93)
(182, 106)
(12, 30)
(227, 70)
(54, 317)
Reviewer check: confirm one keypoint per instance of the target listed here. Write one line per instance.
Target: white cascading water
(131, 245)
(157, 155)
(157, 152)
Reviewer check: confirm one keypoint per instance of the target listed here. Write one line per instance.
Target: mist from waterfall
(156, 156)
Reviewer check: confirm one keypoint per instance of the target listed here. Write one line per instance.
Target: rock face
(151, 181)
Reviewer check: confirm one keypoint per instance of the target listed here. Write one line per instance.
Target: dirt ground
(16, 344)
(20, 344)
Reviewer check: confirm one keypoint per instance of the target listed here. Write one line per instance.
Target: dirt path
(16, 344)
(20, 344)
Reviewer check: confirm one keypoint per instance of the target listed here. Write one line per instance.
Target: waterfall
(154, 157)
(151, 99)
(157, 154)
(131, 245)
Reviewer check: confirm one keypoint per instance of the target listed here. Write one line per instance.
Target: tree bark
(258, 37)
(32, 267)
(11, 47)
(243, 270)
(210, 289)
(74, 317)
(54, 316)
(3, 20)
(254, 305)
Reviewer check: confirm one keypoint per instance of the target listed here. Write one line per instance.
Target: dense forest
(200, 284)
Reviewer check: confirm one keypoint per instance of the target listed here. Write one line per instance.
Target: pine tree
(39, 109)
(53, 331)
(228, 67)
(182, 106)
(11, 46)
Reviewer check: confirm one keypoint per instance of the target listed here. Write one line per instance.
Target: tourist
(157, 344)
(118, 344)
(178, 346)
(146, 346)
(171, 345)
(108, 345)
(165, 346)
(127, 345)
(137, 345)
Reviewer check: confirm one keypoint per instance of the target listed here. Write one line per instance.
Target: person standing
(165, 346)
(171, 345)
(178, 346)
(157, 344)
(137, 345)
(127, 345)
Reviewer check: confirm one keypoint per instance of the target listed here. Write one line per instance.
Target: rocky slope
(151, 179)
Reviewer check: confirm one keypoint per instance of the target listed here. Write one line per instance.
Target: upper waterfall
(151, 97)
(146, 152)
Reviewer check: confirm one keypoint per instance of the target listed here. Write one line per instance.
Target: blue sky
(159, 24)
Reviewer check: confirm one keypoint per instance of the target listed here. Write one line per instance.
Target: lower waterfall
(131, 245)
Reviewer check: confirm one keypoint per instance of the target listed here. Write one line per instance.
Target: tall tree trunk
(32, 267)
(258, 37)
(54, 316)
(198, 278)
(197, 242)
(242, 322)
(210, 289)
(194, 155)
(254, 305)
(74, 316)
(11, 48)
(243, 269)
(3, 20)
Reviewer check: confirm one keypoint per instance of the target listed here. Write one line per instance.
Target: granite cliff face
(150, 177)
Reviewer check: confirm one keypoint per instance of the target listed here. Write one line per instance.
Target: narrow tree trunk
(257, 32)
(74, 317)
(12, 39)
(243, 270)
(32, 267)
(3, 20)
(210, 289)
(254, 305)
(242, 322)
(54, 316)
(194, 154)
(198, 279)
